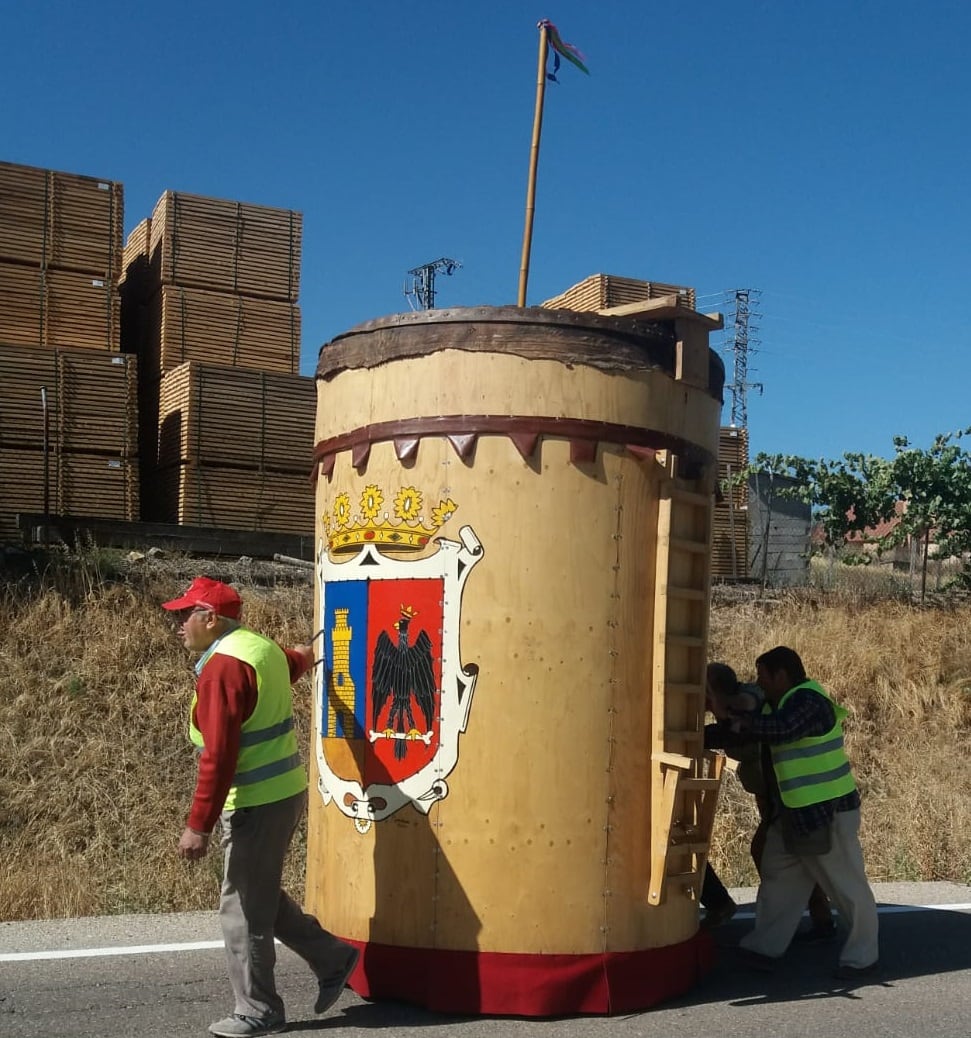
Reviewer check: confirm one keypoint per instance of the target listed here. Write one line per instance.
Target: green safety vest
(813, 769)
(269, 767)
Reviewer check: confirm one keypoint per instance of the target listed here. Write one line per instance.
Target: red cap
(210, 594)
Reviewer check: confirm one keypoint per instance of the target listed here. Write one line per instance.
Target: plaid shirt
(804, 714)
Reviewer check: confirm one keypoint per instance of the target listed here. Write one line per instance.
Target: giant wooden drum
(514, 512)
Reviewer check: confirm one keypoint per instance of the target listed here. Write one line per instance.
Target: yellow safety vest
(813, 769)
(268, 768)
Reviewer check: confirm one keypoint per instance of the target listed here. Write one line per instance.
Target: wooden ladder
(685, 780)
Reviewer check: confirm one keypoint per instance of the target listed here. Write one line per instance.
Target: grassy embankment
(95, 769)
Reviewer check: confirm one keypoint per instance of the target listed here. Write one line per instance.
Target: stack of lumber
(72, 485)
(730, 555)
(235, 448)
(212, 280)
(211, 415)
(239, 499)
(58, 308)
(226, 246)
(68, 434)
(241, 331)
(60, 258)
(63, 221)
(600, 291)
(209, 305)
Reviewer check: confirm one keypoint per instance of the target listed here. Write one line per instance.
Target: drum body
(494, 530)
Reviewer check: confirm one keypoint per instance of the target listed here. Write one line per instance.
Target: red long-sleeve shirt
(226, 695)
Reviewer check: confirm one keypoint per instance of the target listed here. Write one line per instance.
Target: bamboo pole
(533, 164)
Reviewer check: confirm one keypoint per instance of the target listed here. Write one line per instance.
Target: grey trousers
(253, 909)
(787, 879)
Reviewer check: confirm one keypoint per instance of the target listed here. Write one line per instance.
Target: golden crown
(403, 529)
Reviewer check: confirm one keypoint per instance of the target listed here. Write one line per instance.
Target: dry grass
(904, 674)
(96, 771)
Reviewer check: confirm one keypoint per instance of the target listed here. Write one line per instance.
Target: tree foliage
(927, 492)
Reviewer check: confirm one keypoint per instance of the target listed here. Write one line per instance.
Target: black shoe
(718, 916)
(816, 934)
(844, 972)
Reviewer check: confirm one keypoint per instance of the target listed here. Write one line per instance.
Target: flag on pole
(558, 47)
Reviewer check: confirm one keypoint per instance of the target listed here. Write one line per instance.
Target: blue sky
(818, 153)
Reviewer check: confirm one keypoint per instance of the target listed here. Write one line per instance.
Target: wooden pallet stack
(210, 307)
(601, 291)
(729, 547)
(228, 440)
(68, 404)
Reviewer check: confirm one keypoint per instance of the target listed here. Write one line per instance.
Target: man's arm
(226, 696)
(804, 713)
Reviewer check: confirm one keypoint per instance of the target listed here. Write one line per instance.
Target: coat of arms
(392, 696)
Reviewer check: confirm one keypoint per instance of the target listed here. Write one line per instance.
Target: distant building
(779, 529)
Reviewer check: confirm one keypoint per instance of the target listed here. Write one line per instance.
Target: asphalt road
(128, 976)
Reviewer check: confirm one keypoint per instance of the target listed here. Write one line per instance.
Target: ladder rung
(690, 848)
(683, 733)
(689, 784)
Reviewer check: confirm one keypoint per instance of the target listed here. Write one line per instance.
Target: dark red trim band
(513, 984)
(525, 431)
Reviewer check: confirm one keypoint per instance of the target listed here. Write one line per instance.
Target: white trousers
(786, 882)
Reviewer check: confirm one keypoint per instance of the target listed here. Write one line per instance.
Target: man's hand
(307, 652)
(193, 845)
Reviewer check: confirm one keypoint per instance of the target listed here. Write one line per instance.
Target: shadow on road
(914, 942)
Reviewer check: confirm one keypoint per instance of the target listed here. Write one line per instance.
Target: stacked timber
(226, 246)
(601, 291)
(68, 398)
(68, 434)
(729, 550)
(183, 324)
(60, 258)
(209, 305)
(235, 449)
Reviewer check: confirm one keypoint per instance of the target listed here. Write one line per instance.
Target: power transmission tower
(420, 292)
(742, 321)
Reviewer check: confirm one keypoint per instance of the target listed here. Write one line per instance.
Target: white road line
(156, 949)
(94, 953)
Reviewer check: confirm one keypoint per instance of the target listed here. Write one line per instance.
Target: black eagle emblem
(403, 673)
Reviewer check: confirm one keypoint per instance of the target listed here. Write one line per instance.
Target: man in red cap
(251, 778)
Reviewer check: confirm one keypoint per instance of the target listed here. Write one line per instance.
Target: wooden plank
(35, 527)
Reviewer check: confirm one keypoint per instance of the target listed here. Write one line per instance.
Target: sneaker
(239, 1026)
(719, 916)
(816, 934)
(844, 972)
(333, 984)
